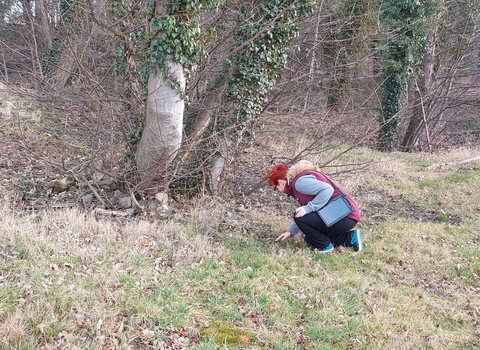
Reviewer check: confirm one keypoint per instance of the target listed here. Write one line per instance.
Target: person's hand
(283, 236)
(299, 212)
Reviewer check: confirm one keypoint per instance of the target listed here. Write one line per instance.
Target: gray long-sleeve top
(308, 184)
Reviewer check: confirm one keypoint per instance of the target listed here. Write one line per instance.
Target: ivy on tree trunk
(409, 22)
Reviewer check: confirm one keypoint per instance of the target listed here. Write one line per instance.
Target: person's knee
(302, 220)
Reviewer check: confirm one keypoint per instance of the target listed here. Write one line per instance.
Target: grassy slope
(69, 281)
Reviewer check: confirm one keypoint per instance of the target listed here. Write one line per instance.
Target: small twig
(95, 193)
(424, 118)
(134, 200)
(110, 212)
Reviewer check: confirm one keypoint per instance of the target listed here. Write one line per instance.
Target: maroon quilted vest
(305, 198)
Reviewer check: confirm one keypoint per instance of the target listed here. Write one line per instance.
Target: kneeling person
(313, 190)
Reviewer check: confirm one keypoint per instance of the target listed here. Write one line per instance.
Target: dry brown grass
(69, 280)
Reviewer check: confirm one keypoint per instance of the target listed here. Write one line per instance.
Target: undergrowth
(70, 281)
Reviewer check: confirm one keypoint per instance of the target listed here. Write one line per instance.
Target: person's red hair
(278, 172)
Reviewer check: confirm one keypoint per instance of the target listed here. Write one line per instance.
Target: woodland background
(390, 75)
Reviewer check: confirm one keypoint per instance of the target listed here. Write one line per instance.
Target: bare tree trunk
(5, 70)
(42, 24)
(162, 135)
(66, 64)
(72, 37)
(410, 139)
(204, 112)
(421, 100)
(313, 62)
(35, 49)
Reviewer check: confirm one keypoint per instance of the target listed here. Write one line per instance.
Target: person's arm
(292, 231)
(322, 191)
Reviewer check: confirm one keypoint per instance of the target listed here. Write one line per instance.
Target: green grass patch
(151, 284)
(448, 181)
(228, 334)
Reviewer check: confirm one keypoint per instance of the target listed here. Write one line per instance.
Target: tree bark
(162, 134)
(42, 24)
(204, 112)
(421, 100)
(72, 36)
(66, 64)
